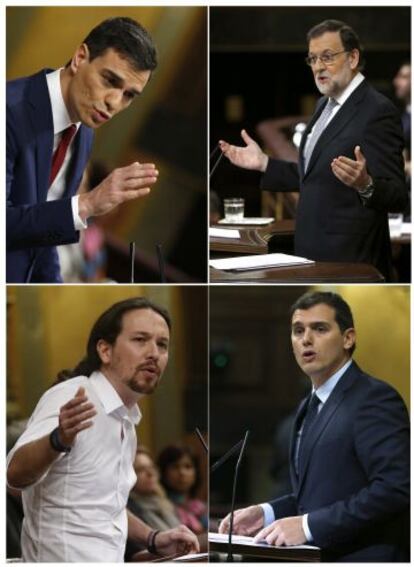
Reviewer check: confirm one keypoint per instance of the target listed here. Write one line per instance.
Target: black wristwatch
(56, 443)
(366, 192)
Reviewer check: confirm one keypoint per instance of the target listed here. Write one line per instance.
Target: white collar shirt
(77, 511)
(326, 389)
(61, 121)
(353, 85)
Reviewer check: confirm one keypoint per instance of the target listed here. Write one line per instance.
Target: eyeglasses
(325, 58)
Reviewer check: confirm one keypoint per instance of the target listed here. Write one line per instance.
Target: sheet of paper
(258, 261)
(407, 228)
(224, 232)
(252, 221)
(244, 540)
(191, 557)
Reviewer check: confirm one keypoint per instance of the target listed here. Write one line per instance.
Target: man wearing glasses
(350, 172)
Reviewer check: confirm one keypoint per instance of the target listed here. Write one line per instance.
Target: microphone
(236, 473)
(226, 456)
(204, 444)
(161, 263)
(216, 147)
(132, 260)
(216, 164)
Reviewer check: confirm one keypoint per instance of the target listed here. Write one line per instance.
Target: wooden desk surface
(270, 553)
(320, 272)
(253, 239)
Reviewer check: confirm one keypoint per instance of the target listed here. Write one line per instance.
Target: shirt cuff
(77, 221)
(269, 515)
(305, 527)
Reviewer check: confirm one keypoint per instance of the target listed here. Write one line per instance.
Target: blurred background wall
(167, 126)
(256, 384)
(258, 72)
(48, 328)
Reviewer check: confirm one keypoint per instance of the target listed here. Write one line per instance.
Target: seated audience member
(180, 477)
(148, 502)
(147, 499)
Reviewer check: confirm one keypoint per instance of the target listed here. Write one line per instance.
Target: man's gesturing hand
(178, 541)
(288, 531)
(75, 416)
(352, 172)
(123, 184)
(249, 157)
(247, 521)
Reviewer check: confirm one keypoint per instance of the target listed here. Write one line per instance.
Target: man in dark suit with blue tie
(350, 451)
(50, 121)
(350, 172)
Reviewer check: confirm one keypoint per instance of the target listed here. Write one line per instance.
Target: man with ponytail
(74, 462)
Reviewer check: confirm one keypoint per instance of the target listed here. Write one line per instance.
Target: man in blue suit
(50, 121)
(350, 451)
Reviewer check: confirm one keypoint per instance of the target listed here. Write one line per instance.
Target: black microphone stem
(132, 259)
(233, 498)
(214, 151)
(216, 164)
(161, 263)
(204, 444)
(224, 458)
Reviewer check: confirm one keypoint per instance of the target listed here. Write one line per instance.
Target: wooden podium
(255, 240)
(268, 552)
(321, 272)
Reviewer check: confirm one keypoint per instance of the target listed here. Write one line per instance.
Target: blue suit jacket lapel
(40, 115)
(78, 160)
(298, 420)
(326, 413)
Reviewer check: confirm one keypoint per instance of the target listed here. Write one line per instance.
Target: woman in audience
(180, 478)
(147, 499)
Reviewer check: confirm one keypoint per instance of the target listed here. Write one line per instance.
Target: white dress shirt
(77, 511)
(323, 393)
(61, 121)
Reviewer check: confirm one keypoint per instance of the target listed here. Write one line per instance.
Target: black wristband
(56, 444)
(151, 541)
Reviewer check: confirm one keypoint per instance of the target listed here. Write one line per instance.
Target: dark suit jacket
(35, 226)
(332, 223)
(355, 478)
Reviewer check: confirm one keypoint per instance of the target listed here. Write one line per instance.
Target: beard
(141, 385)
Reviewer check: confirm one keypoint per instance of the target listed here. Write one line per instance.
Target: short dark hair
(349, 37)
(128, 38)
(343, 313)
(170, 455)
(107, 328)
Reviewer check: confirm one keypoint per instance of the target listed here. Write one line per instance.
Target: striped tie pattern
(318, 129)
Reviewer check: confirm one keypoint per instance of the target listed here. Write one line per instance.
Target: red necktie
(60, 152)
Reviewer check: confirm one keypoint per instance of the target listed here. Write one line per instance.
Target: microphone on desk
(218, 160)
(233, 498)
(132, 261)
(161, 263)
(226, 456)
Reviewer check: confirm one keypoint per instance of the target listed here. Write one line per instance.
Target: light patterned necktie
(318, 129)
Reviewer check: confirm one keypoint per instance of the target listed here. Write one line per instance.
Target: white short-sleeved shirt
(77, 510)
